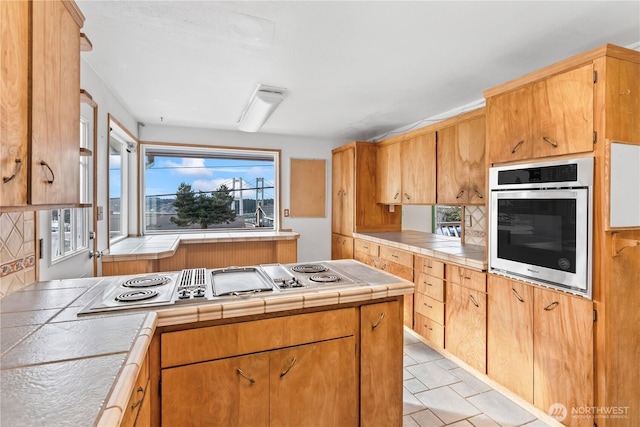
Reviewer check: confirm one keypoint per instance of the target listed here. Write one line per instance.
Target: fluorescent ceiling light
(263, 101)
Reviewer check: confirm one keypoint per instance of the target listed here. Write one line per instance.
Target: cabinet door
(452, 170)
(471, 142)
(341, 247)
(55, 108)
(389, 176)
(337, 171)
(14, 84)
(226, 392)
(419, 169)
(563, 113)
(508, 126)
(343, 196)
(510, 335)
(381, 337)
(466, 327)
(314, 384)
(563, 352)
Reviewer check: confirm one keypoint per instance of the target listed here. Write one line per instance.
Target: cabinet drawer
(432, 331)
(429, 285)
(215, 342)
(430, 308)
(365, 247)
(466, 277)
(430, 266)
(396, 255)
(137, 396)
(394, 268)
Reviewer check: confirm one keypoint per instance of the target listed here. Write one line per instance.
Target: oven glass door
(542, 234)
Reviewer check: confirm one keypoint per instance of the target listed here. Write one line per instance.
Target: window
(70, 227)
(446, 220)
(118, 206)
(208, 188)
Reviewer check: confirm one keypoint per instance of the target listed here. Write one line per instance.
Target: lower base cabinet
(138, 409)
(540, 345)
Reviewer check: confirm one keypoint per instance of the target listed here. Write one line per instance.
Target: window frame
(192, 150)
(124, 188)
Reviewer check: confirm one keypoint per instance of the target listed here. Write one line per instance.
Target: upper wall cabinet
(461, 168)
(47, 177)
(406, 171)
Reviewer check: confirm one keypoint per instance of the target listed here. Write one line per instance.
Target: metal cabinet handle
(428, 306)
(550, 142)
(396, 196)
(375, 325)
(473, 300)
(428, 327)
(286, 371)
(515, 147)
(515, 294)
(53, 177)
(428, 266)
(479, 194)
(243, 375)
(140, 390)
(16, 170)
(407, 196)
(460, 194)
(551, 306)
(427, 283)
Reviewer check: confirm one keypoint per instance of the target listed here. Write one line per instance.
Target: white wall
(314, 243)
(417, 218)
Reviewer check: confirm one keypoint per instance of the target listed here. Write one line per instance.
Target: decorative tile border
(17, 265)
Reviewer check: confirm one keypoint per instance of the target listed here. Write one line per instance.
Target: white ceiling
(353, 69)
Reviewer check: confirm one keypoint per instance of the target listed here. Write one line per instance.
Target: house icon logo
(557, 411)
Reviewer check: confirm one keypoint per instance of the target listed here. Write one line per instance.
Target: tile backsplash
(17, 251)
(475, 228)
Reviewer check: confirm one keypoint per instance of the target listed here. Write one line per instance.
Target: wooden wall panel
(129, 267)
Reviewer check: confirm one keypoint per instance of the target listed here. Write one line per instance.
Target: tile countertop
(60, 369)
(165, 245)
(444, 248)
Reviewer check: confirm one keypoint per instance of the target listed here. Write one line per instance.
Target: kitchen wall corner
(17, 251)
(475, 229)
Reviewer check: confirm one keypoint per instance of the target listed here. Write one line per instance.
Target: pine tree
(185, 204)
(203, 208)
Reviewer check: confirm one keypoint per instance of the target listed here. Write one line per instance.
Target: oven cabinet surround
(461, 167)
(406, 169)
(353, 197)
(340, 366)
(211, 252)
(540, 345)
(42, 84)
(613, 115)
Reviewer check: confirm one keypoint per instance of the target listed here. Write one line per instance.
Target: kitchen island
(60, 369)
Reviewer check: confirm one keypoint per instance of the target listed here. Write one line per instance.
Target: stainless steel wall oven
(541, 223)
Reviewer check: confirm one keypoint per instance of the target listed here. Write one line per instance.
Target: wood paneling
(129, 267)
(466, 328)
(308, 183)
(389, 173)
(623, 109)
(418, 164)
(381, 370)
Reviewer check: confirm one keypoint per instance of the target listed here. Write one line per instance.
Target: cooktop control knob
(198, 293)
(184, 294)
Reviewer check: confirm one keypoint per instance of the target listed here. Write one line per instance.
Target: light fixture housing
(263, 102)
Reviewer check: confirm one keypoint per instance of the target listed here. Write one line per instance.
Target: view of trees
(202, 208)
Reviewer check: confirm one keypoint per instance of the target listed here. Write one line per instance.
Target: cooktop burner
(138, 295)
(324, 278)
(309, 268)
(146, 281)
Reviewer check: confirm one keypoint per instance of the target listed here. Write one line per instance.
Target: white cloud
(188, 166)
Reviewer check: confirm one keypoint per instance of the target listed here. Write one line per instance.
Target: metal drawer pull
(551, 306)
(473, 300)
(428, 327)
(375, 325)
(243, 375)
(460, 194)
(396, 196)
(140, 390)
(515, 147)
(407, 196)
(429, 306)
(18, 166)
(428, 266)
(394, 256)
(515, 294)
(53, 177)
(427, 283)
(286, 371)
(549, 141)
(479, 194)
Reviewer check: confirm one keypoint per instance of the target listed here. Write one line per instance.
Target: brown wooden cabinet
(406, 170)
(399, 263)
(540, 345)
(138, 410)
(549, 117)
(354, 206)
(365, 251)
(14, 87)
(461, 163)
(42, 70)
(381, 371)
(429, 298)
(341, 246)
(466, 315)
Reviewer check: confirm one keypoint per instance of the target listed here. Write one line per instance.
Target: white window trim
(124, 187)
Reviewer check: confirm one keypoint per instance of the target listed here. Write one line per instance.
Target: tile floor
(437, 392)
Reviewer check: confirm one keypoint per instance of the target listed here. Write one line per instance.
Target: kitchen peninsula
(101, 369)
